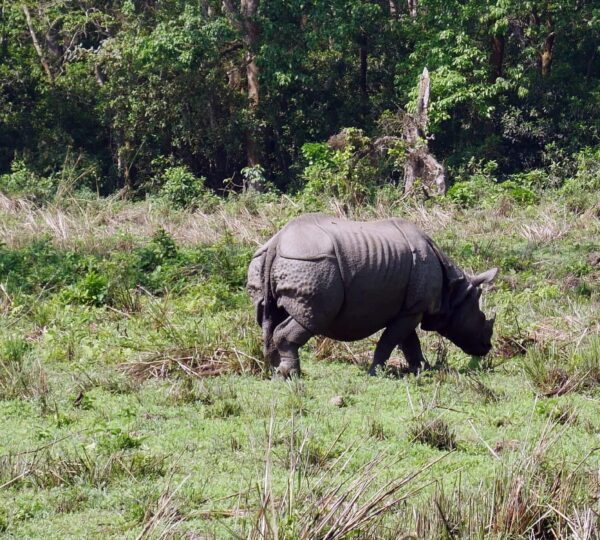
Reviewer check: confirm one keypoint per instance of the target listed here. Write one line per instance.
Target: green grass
(134, 402)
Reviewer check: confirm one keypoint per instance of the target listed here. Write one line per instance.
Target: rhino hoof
(285, 371)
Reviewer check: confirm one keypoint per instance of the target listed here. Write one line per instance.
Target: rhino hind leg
(401, 333)
(288, 337)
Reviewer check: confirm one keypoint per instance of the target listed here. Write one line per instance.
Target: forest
(120, 93)
(149, 147)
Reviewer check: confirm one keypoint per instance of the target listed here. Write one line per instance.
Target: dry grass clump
(356, 353)
(527, 497)
(508, 347)
(162, 519)
(21, 376)
(435, 433)
(339, 503)
(555, 372)
(191, 362)
(478, 387)
(49, 467)
(547, 229)
(227, 343)
(88, 223)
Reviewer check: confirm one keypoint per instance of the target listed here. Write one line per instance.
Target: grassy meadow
(134, 402)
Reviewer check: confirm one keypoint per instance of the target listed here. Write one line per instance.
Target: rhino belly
(368, 307)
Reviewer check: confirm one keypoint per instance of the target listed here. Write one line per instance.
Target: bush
(22, 182)
(39, 266)
(346, 173)
(91, 290)
(483, 191)
(161, 248)
(183, 190)
(587, 177)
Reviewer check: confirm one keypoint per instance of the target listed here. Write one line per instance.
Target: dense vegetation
(132, 93)
(134, 401)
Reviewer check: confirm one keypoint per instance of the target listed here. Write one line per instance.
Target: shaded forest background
(134, 94)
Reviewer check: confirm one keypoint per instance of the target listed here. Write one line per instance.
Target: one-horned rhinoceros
(346, 280)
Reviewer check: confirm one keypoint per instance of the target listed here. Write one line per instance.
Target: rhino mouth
(478, 350)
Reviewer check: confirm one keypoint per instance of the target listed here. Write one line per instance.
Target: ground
(134, 402)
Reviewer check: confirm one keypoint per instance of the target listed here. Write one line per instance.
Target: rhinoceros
(321, 275)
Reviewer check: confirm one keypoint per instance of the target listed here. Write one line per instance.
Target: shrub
(160, 249)
(182, 189)
(346, 173)
(482, 190)
(39, 266)
(23, 182)
(91, 290)
(587, 177)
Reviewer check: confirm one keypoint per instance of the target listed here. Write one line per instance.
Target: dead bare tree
(420, 163)
(403, 130)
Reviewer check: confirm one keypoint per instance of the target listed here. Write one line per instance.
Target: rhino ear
(484, 277)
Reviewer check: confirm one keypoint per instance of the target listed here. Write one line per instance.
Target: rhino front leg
(288, 337)
(411, 348)
(395, 334)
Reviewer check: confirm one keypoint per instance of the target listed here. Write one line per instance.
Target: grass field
(134, 402)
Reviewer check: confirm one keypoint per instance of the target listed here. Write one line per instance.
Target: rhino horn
(484, 277)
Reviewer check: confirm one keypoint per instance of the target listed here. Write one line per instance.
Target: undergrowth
(135, 402)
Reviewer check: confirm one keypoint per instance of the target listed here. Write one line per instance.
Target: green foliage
(182, 189)
(481, 187)
(160, 249)
(112, 440)
(39, 266)
(23, 182)
(118, 84)
(587, 176)
(254, 177)
(225, 258)
(91, 290)
(347, 173)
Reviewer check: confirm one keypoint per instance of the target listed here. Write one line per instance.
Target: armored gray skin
(346, 280)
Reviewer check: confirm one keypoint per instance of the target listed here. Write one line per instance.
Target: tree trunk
(497, 57)
(249, 9)
(3, 35)
(252, 78)
(423, 101)
(36, 44)
(546, 55)
(393, 9)
(420, 163)
(124, 165)
(412, 8)
(245, 21)
(363, 60)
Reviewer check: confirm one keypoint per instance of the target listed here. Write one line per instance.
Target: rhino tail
(269, 301)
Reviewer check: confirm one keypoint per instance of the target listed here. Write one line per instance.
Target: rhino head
(461, 320)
